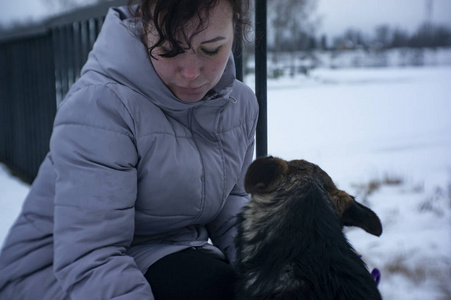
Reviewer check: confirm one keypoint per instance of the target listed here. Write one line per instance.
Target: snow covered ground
(384, 135)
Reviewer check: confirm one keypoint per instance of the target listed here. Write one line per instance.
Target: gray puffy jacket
(133, 174)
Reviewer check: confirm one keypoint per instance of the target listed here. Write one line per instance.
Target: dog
(290, 242)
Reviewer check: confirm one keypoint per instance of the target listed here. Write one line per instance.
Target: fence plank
(28, 80)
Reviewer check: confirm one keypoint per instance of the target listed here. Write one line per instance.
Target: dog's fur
(290, 243)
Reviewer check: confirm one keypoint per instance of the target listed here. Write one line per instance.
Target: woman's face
(190, 75)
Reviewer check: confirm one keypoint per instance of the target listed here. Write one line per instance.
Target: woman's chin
(190, 95)
(190, 98)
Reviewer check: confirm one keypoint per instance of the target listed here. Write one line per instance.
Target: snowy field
(384, 135)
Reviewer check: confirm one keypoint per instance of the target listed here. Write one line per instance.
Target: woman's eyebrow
(219, 38)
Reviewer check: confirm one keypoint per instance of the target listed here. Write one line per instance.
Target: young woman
(146, 164)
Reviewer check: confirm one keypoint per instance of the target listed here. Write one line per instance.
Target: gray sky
(336, 15)
(21, 10)
(365, 15)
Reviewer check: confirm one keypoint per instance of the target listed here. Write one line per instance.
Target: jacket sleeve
(95, 159)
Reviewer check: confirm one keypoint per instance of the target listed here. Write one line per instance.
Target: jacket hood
(120, 55)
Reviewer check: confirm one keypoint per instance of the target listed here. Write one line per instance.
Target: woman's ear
(264, 174)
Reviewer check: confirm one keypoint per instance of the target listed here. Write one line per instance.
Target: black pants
(192, 274)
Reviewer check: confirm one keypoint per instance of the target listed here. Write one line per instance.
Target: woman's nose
(190, 67)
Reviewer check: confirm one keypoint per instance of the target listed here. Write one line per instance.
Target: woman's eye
(211, 52)
(162, 51)
(167, 52)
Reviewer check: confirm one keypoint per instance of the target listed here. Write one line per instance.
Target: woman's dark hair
(169, 17)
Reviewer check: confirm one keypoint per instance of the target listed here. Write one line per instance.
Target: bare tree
(383, 35)
(350, 39)
(292, 23)
(432, 36)
(400, 38)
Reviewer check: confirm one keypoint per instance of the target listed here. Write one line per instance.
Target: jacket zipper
(202, 200)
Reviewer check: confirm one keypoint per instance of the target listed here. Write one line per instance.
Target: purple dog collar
(376, 275)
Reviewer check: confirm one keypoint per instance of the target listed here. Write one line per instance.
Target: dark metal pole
(260, 76)
(238, 54)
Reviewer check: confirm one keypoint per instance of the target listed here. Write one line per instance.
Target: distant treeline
(426, 36)
(384, 37)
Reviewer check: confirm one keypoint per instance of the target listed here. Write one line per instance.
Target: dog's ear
(361, 216)
(264, 174)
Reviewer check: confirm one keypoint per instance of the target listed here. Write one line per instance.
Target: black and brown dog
(290, 243)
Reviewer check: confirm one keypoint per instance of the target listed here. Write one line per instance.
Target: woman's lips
(190, 90)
